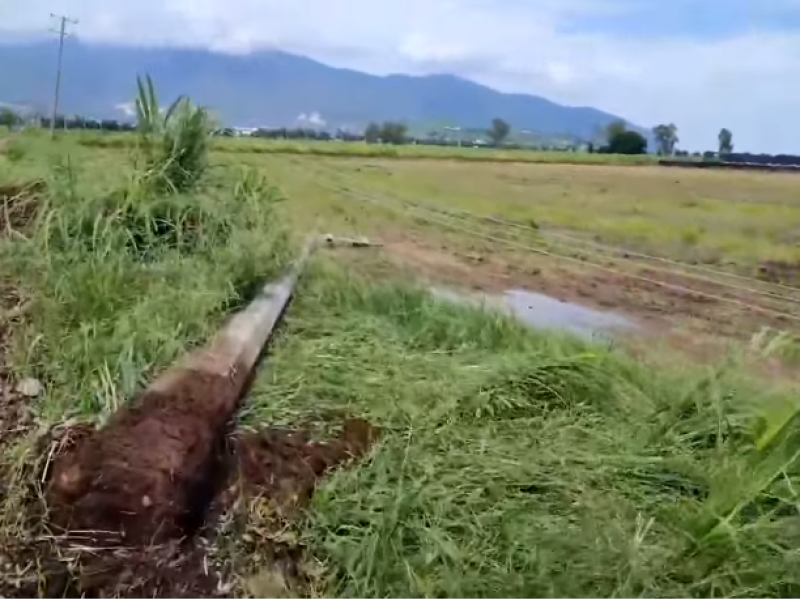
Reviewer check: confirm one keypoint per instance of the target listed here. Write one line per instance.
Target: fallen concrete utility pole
(148, 474)
(362, 242)
(241, 341)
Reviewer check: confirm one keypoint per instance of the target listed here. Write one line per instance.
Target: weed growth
(124, 280)
(172, 144)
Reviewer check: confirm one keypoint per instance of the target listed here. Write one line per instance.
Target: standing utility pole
(62, 33)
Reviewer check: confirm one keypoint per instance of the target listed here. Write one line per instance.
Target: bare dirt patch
(143, 478)
(284, 465)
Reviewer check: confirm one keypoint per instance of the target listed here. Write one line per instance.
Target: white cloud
(313, 120)
(747, 82)
(127, 108)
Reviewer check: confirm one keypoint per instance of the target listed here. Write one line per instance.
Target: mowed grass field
(733, 218)
(512, 462)
(703, 249)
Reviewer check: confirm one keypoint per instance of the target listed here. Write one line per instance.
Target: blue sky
(702, 64)
(711, 20)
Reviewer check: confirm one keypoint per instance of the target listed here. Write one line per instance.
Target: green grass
(516, 463)
(364, 150)
(355, 149)
(512, 462)
(121, 281)
(734, 220)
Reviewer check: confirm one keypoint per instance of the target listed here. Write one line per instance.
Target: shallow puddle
(539, 311)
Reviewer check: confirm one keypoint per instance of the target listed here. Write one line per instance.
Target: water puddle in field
(540, 311)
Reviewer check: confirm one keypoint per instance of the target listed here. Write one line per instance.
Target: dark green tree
(9, 118)
(614, 129)
(620, 140)
(393, 133)
(626, 142)
(725, 141)
(499, 131)
(666, 138)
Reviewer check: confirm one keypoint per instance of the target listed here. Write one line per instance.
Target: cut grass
(735, 220)
(524, 464)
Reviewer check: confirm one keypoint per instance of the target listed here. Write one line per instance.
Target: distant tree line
(77, 122)
(666, 137)
(12, 119)
(389, 132)
(284, 133)
(616, 138)
(760, 159)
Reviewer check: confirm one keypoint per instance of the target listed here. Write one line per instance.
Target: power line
(62, 33)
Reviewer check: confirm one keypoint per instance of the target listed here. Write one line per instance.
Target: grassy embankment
(513, 462)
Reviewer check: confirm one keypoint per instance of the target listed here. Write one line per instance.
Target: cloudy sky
(703, 64)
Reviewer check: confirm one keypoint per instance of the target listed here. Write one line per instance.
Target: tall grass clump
(173, 144)
(124, 280)
(526, 464)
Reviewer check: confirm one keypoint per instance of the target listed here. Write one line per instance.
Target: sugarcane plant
(173, 144)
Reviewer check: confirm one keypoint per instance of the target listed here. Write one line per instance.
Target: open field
(363, 150)
(703, 249)
(109, 140)
(510, 462)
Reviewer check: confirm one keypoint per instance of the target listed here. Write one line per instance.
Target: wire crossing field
(511, 462)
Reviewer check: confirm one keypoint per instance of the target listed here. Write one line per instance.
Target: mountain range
(271, 89)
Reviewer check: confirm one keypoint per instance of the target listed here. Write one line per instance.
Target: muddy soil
(648, 302)
(277, 468)
(147, 476)
(776, 271)
(284, 465)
